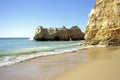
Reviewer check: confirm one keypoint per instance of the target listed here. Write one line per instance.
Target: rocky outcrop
(104, 23)
(53, 33)
(63, 33)
(43, 34)
(76, 33)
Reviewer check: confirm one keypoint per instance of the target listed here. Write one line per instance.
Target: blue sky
(19, 18)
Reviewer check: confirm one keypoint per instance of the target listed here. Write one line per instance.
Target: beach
(42, 68)
(60, 41)
(86, 64)
(104, 67)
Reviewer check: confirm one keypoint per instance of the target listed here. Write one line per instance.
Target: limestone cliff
(104, 23)
(43, 34)
(40, 30)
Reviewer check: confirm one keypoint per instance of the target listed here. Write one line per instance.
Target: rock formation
(104, 23)
(53, 33)
(76, 33)
(43, 34)
(63, 33)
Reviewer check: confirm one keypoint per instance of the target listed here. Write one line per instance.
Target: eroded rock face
(76, 33)
(104, 23)
(53, 33)
(63, 33)
(43, 34)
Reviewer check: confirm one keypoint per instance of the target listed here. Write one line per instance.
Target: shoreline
(42, 68)
(31, 53)
(52, 67)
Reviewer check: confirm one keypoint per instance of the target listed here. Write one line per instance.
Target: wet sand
(87, 64)
(42, 68)
(106, 66)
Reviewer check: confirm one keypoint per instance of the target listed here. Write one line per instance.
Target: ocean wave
(37, 49)
(25, 51)
(31, 38)
(12, 59)
(14, 56)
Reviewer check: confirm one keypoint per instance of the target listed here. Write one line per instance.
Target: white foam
(31, 38)
(8, 60)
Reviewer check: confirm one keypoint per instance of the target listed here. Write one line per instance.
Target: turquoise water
(14, 50)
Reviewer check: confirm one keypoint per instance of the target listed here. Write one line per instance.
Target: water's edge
(9, 60)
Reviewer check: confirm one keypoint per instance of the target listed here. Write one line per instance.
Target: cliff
(104, 23)
(43, 34)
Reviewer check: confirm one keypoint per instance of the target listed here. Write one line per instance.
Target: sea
(14, 50)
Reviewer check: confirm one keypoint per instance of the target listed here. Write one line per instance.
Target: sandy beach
(87, 64)
(60, 40)
(106, 66)
(43, 68)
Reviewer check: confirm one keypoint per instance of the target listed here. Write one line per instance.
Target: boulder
(104, 23)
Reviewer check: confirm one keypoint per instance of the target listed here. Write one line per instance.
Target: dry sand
(106, 66)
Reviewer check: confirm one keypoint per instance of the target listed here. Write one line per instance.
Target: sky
(19, 18)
